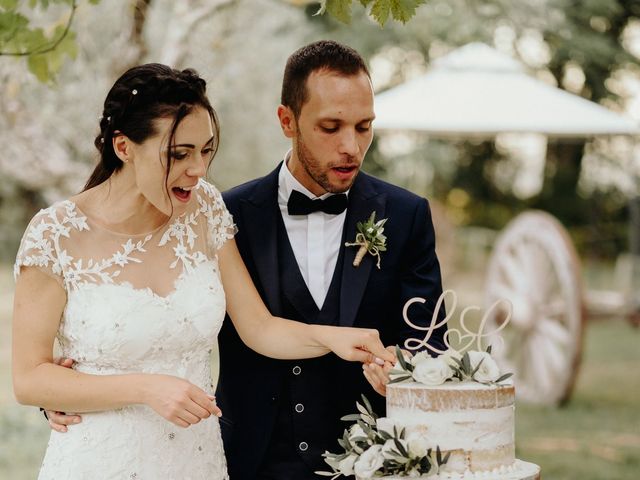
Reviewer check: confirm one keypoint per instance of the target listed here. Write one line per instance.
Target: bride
(133, 276)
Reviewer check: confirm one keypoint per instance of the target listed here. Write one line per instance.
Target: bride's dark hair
(140, 96)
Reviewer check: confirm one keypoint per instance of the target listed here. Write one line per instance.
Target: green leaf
(380, 11)
(504, 377)
(466, 363)
(39, 66)
(477, 367)
(404, 10)
(399, 379)
(352, 417)
(367, 404)
(8, 4)
(400, 447)
(403, 363)
(339, 9)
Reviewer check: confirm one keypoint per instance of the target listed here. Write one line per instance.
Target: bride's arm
(286, 339)
(38, 305)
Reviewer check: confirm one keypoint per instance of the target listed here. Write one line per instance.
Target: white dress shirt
(314, 238)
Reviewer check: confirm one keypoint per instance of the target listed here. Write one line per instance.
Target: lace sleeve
(40, 245)
(220, 226)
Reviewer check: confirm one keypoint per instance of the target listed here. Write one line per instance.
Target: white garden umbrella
(476, 91)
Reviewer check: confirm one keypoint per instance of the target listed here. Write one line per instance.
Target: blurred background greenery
(50, 104)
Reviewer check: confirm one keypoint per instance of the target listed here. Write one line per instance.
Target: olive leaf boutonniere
(370, 239)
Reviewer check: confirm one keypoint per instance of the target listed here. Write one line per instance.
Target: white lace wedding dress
(151, 303)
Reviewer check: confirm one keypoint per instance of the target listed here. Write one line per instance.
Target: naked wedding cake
(449, 417)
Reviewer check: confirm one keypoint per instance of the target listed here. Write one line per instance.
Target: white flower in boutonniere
(370, 239)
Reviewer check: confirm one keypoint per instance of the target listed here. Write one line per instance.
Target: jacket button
(297, 370)
(299, 408)
(303, 446)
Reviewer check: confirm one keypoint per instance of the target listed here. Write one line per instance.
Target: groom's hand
(378, 375)
(59, 421)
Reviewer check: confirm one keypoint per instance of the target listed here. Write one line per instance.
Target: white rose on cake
(418, 446)
(432, 371)
(488, 371)
(418, 358)
(369, 462)
(345, 466)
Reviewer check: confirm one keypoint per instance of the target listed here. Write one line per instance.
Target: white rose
(432, 371)
(488, 371)
(419, 358)
(417, 446)
(345, 466)
(369, 462)
(356, 431)
(385, 424)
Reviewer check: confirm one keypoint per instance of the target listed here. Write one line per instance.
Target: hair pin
(134, 92)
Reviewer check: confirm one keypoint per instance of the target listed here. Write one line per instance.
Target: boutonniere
(370, 239)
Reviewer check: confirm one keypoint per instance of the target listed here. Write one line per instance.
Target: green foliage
(366, 433)
(380, 10)
(45, 49)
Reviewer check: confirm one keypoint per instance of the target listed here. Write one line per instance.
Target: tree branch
(51, 47)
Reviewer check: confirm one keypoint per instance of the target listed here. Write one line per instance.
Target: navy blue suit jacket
(250, 384)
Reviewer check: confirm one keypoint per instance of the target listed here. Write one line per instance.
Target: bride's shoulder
(63, 213)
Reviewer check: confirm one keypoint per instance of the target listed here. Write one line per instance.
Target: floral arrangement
(370, 238)
(452, 365)
(375, 447)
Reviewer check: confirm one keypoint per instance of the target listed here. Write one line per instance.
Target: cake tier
(518, 470)
(471, 421)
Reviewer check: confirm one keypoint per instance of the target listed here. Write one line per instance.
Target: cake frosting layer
(472, 422)
(518, 470)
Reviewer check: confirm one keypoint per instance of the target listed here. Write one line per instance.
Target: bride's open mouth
(182, 193)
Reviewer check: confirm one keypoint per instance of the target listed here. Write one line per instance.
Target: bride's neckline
(110, 230)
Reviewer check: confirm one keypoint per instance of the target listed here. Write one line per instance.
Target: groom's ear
(287, 121)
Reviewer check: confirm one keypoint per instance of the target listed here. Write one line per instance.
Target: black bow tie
(300, 204)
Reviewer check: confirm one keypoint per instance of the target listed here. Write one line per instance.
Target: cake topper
(465, 336)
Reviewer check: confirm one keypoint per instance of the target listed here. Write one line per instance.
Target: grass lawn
(596, 437)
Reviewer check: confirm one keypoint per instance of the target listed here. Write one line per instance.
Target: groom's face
(332, 132)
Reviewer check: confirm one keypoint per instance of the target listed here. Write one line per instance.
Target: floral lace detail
(111, 327)
(42, 238)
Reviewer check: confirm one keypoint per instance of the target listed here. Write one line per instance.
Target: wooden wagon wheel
(535, 267)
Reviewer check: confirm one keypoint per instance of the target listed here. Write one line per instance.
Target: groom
(280, 416)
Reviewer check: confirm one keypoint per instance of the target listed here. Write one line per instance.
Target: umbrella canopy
(476, 91)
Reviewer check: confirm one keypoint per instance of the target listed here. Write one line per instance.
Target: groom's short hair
(320, 55)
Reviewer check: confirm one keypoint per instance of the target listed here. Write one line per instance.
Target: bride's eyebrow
(190, 145)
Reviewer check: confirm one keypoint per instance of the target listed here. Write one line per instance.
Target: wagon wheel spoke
(534, 265)
(555, 331)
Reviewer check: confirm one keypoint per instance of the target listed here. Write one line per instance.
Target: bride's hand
(178, 400)
(357, 345)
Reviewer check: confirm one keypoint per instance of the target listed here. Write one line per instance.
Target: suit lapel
(363, 199)
(260, 213)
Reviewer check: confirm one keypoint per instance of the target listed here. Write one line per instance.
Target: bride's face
(191, 152)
